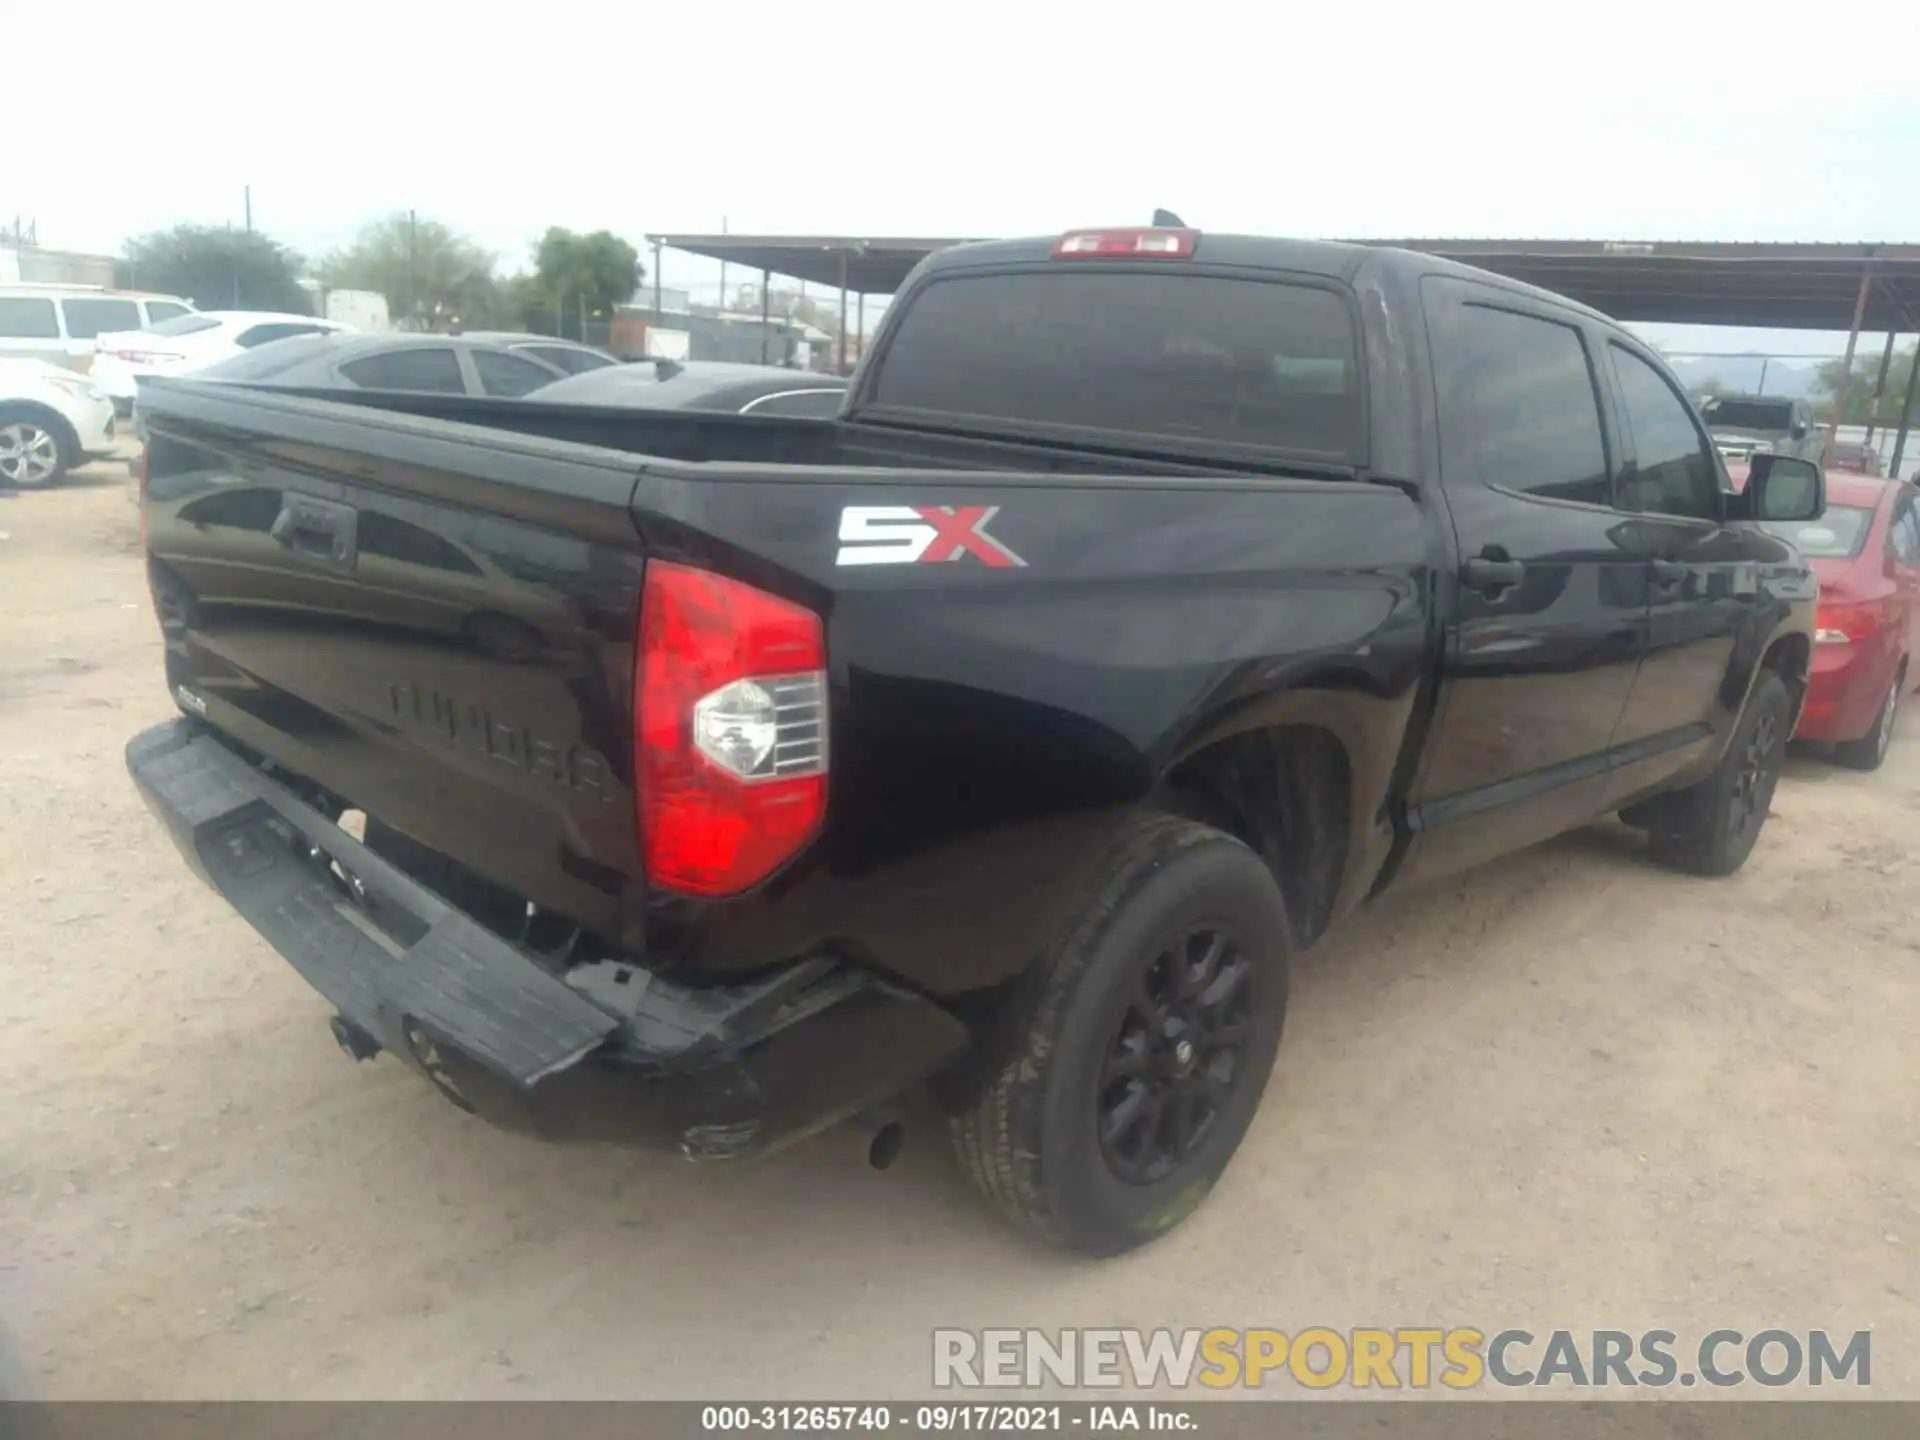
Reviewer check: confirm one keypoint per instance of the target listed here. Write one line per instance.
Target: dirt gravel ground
(1571, 1090)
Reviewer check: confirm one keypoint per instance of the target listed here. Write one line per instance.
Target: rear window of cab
(1255, 363)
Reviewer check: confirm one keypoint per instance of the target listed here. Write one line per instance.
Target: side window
(393, 539)
(158, 310)
(814, 404)
(427, 367)
(88, 318)
(28, 317)
(1535, 411)
(1903, 536)
(260, 334)
(509, 375)
(1674, 473)
(567, 359)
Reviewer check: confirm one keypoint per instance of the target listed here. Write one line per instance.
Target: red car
(1860, 459)
(1866, 551)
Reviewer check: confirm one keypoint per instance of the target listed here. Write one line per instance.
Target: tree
(433, 277)
(1860, 387)
(590, 273)
(218, 269)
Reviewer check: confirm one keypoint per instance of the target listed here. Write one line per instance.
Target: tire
(1869, 752)
(1710, 828)
(1078, 1050)
(36, 449)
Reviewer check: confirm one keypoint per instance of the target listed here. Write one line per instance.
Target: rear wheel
(1710, 828)
(1141, 1050)
(1870, 750)
(34, 451)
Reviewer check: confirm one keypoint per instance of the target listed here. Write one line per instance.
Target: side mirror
(1785, 487)
(1799, 429)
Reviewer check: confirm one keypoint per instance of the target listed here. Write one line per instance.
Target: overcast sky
(1624, 121)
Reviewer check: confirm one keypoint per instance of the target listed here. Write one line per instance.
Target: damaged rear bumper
(618, 1056)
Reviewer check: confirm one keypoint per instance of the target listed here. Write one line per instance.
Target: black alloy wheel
(1172, 1065)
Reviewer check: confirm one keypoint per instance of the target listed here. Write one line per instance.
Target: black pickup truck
(1157, 599)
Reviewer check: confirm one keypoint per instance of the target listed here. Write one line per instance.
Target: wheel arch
(1790, 656)
(1287, 792)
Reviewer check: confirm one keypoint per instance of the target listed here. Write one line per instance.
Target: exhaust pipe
(886, 1137)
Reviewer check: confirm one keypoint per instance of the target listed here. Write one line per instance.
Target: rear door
(90, 316)
(1709, 610)
(1552, 603)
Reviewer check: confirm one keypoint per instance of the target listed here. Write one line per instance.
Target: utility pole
(1839, 411)
(723, 271)
(247, 192)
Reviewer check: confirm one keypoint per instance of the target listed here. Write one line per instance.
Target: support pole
(1846, 370)
(843, 313)
(1879, 386)
(860, 324)
(766, 313)
(1906, 418)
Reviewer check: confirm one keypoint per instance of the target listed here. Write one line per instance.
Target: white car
(50, 421)
(188, 343)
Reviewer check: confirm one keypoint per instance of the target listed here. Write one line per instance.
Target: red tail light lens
(1845, 622)
(730, 730)
(1155, 244)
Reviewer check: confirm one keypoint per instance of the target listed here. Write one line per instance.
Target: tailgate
(431, 621)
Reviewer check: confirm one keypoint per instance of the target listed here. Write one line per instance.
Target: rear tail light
(1152, 244)
(1842, 622)
(730, 730)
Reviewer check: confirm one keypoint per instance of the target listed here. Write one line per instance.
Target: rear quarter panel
(992, 722)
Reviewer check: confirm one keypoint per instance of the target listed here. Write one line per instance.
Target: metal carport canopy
(872, 266)
(1773, 286)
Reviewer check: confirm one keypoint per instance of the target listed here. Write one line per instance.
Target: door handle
(1492, 572)
(1666, 574)
(322, 532)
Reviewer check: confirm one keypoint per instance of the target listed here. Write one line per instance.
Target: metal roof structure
(877, 266)
(1775, 286)
(1771, 286)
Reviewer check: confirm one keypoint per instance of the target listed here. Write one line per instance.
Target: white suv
(50, 421)
(60, 323)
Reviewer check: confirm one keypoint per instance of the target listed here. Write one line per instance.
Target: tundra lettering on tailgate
(920, 535)
(467, 726)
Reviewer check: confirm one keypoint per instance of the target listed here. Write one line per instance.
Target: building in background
(29, 264)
